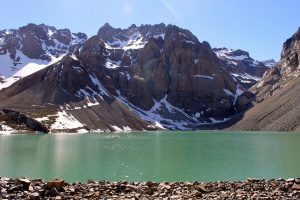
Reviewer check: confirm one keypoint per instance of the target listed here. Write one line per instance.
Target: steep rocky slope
(277, 94)
(139, 78)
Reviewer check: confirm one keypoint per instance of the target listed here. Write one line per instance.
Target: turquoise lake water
(156, 156)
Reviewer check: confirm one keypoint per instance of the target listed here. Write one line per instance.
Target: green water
(156, 156)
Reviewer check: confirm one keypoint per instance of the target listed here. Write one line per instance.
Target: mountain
(33, 47)
(277, 94)
(269, 63)
(140, 78)
(245, 69)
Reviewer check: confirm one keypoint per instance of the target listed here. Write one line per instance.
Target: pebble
(290, 180)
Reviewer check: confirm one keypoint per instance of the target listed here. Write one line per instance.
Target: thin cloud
(172, 11)
(127, 8)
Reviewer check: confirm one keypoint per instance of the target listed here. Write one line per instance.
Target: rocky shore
(58, 189)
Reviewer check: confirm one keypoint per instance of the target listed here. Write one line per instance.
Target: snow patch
(135, 41)
(154, 114)
(41, 119)
(2, 41)
(124, 129)
(246, 76)
(203, 76)
(65, 121)
(82, 130)
(6, 130)
(225, 53)
(215, 121)
(112, 64)
(160, 35)
(25, 67)
(96, 82)
(227, 92)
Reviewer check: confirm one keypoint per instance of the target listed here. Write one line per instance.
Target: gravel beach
(24, 188)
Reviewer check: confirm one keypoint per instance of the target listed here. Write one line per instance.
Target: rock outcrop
(20, 118)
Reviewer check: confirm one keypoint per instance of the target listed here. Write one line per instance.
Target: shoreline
(135, 131)
(24, 188)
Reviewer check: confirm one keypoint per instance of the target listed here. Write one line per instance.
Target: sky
(257, 26)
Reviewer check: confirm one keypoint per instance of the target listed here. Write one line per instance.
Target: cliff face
(289, 64)
(277, 94)
(147, 77)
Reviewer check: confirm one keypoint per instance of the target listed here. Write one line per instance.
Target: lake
(156, 156)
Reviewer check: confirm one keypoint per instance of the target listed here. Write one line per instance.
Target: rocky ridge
(58, 189)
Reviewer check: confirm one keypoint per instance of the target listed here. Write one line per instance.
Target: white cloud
(127, 8)
(171, 10)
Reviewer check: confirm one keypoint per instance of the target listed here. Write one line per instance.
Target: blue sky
(258, 26)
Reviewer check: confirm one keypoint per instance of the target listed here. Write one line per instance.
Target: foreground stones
(58, 189)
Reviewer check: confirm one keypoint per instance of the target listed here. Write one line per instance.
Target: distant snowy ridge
(33, 47)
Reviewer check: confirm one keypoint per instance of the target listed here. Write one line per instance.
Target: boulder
(23, 181)
(21, 118)
(56, 183)
(244, 101)
(36, 125)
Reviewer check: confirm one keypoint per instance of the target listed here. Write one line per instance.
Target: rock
(296, 187)
(34, 196)
(252, 180)
(164, 185)
(242, 103)
(23, 181)
(21, 118)
(57, 183)
(16, 188)
(197, 194)
(54, 192)
(289, 63)
(30, 188)
(36, 125)
(201, 188)
(175, 197)
(290, 180)
(151, 184)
